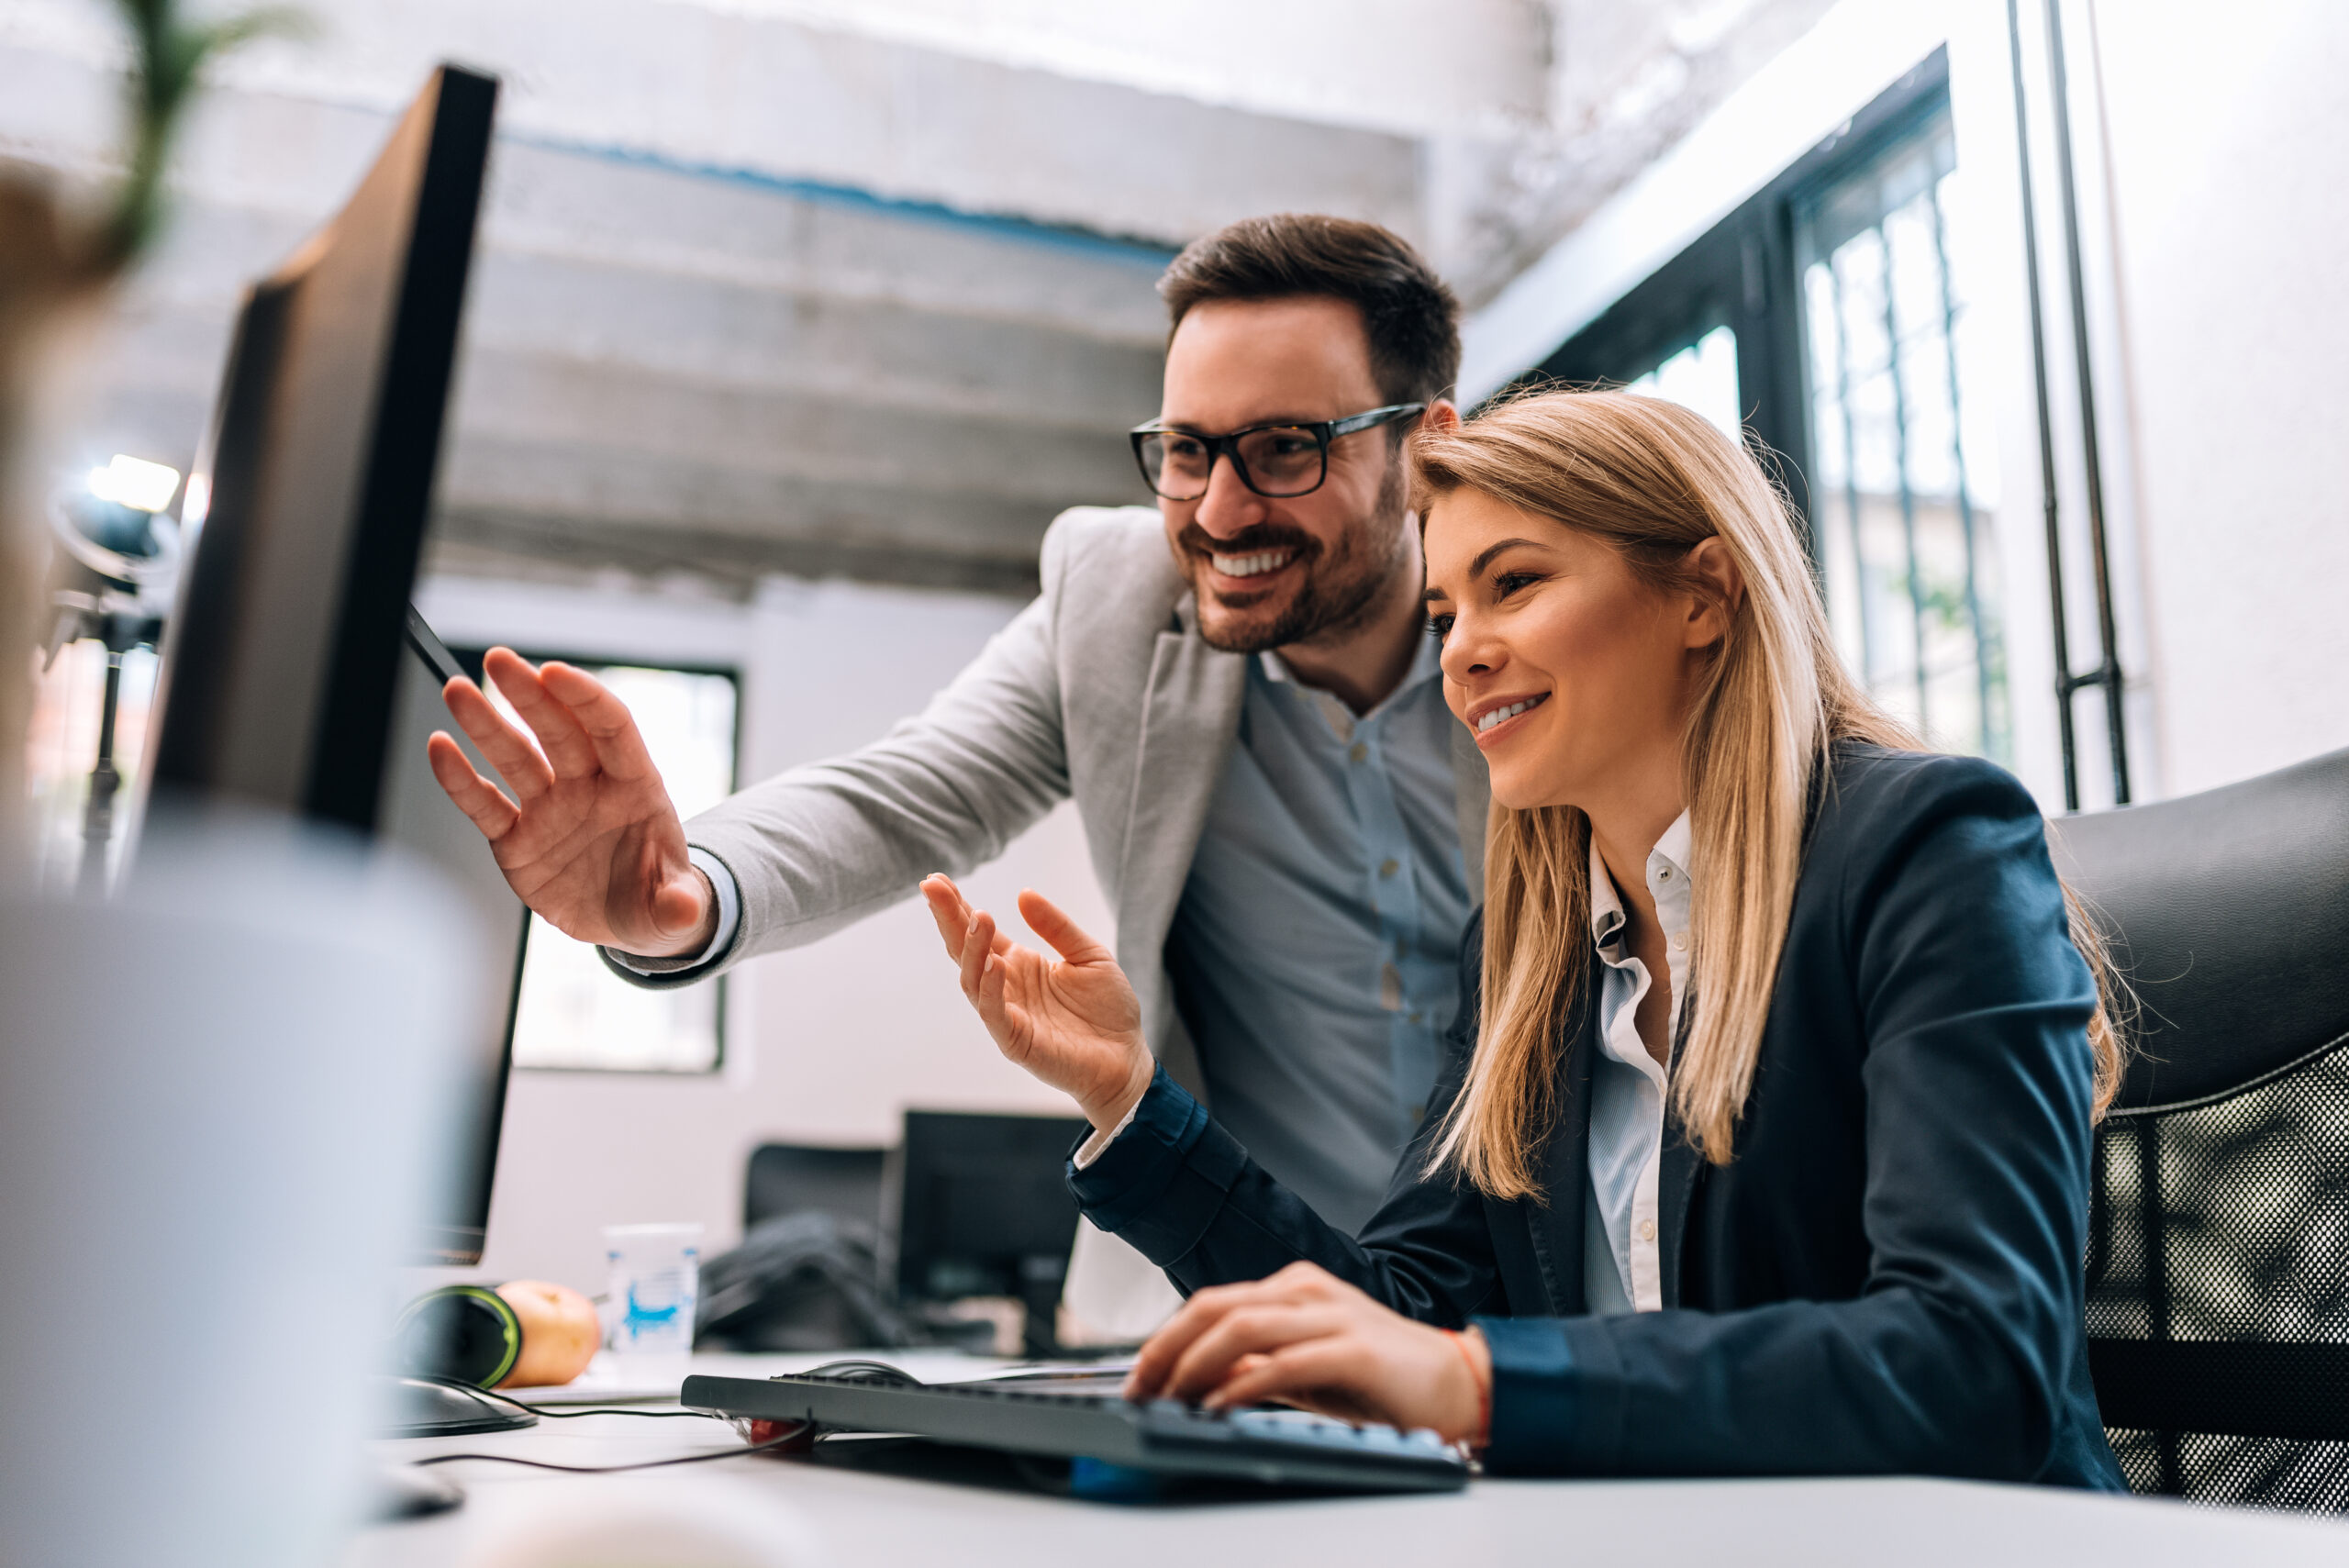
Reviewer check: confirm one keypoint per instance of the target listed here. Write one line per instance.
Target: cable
(792, 1436)
(547, 1413)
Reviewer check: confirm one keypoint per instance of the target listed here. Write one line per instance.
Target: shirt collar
(1607, 916)
(1426, 664)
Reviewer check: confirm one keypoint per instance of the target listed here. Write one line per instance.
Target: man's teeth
(1501, 714)
(1250, 565)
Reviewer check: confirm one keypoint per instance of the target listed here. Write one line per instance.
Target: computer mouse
(405, 1492)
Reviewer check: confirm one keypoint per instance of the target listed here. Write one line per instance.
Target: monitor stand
(1039, 1295)
(422, 1409)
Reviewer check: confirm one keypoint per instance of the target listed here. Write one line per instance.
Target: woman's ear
(1718, 585)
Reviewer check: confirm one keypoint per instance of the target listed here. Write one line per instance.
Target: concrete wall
(827, 1044)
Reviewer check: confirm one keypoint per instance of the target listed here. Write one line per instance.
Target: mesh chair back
(2219, 1251)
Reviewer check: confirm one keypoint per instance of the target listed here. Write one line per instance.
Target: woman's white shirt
(1621, 1268)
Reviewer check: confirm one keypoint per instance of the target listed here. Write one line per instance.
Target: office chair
(785, 1178)
(2217, 1265)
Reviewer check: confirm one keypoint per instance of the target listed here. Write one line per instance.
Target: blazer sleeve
(1182, 1191)
(1978, 1080)
(822, 846)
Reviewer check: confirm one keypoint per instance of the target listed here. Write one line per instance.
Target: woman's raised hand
(1073, 1022)
(1305, 1337)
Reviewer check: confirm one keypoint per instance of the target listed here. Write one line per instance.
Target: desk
(866, 1520)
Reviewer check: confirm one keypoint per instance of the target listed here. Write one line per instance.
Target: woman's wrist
(1476, 1357)
(1108, 1115)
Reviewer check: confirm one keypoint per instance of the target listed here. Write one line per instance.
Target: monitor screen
(417, 815)
(982, 1207)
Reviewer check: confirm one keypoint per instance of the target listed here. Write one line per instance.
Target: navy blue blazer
(1887, 1277)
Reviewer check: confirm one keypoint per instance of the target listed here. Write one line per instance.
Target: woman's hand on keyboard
(1073, 1022)
(1306, 1338)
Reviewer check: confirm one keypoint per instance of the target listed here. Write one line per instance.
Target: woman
(1764, 1142)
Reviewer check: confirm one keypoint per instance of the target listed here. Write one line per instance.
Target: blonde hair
(1654, 480)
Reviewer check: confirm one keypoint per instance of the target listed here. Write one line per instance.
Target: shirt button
(1389, 866)
(1663, 874)
(1679, 942)
(1647, 1230)
(1357, 751)
(1416, 1017)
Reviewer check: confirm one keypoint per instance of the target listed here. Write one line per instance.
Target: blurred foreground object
(211, 1092)
(59, 262)
(639, 1522)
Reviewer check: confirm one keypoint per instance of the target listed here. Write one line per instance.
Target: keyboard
(1096, 1429)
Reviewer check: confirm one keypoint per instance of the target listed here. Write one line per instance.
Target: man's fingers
(566, 746)
(606, 720)
(1050, 922)
(508, 748)
(479, 800)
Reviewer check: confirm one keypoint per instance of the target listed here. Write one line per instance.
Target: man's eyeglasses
(1274, 460)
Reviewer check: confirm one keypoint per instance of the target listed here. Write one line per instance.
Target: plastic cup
(654, 1284)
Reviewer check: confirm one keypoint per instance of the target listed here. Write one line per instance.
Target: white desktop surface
(875, 1520)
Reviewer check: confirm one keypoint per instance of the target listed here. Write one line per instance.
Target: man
(1239, 693)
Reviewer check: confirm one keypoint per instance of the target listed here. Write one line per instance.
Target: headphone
(462, 1333)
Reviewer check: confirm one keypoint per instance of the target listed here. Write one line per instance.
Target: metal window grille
(1902, 487)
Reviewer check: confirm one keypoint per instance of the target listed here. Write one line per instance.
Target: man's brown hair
(1409, 316)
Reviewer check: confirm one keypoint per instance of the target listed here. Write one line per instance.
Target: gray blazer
(1102, 691)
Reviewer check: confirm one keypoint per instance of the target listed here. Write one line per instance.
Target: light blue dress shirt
(1621, 1265)
(1315, 952)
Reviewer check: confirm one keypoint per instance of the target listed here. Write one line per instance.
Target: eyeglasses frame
(1325, 431)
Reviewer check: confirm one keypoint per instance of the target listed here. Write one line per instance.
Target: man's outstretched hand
(590, 839)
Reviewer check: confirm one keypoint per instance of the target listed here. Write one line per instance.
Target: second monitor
(983, 1210)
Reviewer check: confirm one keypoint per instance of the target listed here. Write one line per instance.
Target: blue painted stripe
(1092, 243)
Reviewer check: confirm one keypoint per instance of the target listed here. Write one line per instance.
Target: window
(1823, 322)
(1702, 377)
(1900, 481)
(574, 1013)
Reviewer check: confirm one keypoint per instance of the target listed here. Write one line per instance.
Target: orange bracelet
(1483, 1433)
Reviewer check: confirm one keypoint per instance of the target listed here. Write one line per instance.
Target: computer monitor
(290, 676)
(983, 1209)
(309, 501)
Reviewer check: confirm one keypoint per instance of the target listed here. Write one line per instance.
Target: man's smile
(1256, 566)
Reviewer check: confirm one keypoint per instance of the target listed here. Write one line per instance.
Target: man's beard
(1338, 593)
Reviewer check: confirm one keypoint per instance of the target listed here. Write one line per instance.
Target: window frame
(470, 659)
(1745, 274)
